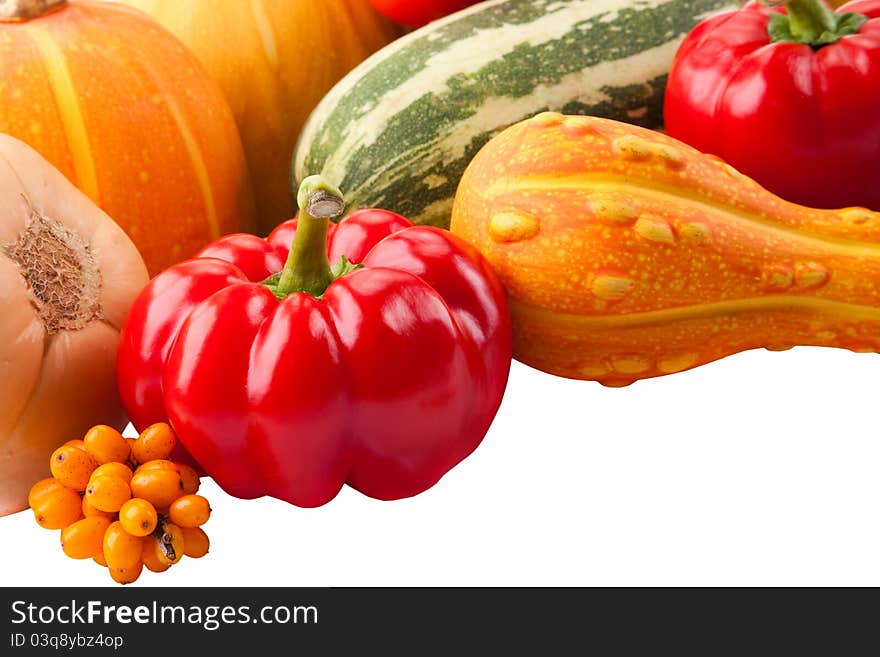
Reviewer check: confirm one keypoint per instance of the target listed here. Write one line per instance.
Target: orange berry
(195, 542)
(169, 547)
(84, 538)
(108, 493)
(118, 470)
(190, 477)
(106, 445)
(128, 574)
(99, 558)
(79, 444)
(159, 487)
(41, 489)
(121, 549)
(91, 512)
(138, 517)
(190, 511)
(55, 506)
(157, 464)
(155, 442)
(150, 556)
(72, 466)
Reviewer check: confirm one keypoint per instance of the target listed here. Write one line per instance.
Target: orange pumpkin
(274, 60)
(627, 254)
(123, 110)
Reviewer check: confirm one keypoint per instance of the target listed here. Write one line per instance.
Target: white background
(761, 469)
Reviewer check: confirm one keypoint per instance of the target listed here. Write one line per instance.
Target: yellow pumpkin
(68, 274)
(274, 59)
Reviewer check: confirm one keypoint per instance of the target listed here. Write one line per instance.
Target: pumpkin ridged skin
(127, 114)
(627, 254)
(399, 130)
(274, 60)
(54, 383)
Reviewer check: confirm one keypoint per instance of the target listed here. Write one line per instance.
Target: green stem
(307, 268)
(811, 22)
(809, 19)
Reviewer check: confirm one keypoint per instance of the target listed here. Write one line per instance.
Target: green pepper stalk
(307, 268)
(812, 22)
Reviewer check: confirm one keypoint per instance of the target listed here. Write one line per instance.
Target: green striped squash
(399, 130)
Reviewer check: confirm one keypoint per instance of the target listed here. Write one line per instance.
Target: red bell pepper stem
(812, 22)
(809, 18)
(307, 268)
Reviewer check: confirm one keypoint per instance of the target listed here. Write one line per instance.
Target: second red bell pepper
(421, 12)
(283, 376)
(790, 99)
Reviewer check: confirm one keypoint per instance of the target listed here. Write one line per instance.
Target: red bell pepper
(789, 96)
(283, 376)
(420, 12)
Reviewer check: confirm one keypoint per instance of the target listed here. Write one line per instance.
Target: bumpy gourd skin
(627, 254)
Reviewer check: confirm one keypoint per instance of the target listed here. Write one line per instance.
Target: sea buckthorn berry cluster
(122, 502)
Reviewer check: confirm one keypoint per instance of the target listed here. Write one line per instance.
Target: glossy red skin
(415, 13)
(803, 123)
(386, 382)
